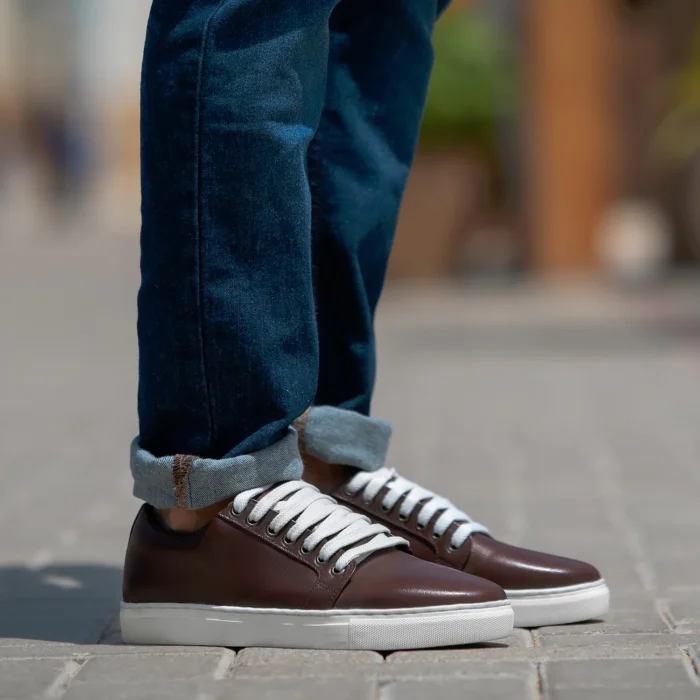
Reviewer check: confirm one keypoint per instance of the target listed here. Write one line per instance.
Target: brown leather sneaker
(290, 567)
(543, 589)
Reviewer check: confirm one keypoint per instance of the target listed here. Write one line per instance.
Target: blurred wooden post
(571, 170)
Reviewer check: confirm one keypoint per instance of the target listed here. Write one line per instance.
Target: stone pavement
(565, 420)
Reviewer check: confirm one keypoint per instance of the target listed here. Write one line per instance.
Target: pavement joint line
(691, 663)
(663, 610)
(106, 628)
(542, 690)
(224, 668)
(535, 639)
(65, 677)
(385, 690)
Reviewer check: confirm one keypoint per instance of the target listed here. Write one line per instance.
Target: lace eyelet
(385, 509)
(251, 523)
(271, 532)
(403, 518)
(321, 561)
(420, 527)
(337, 572)
(287, 541)
(436, 536)
(348, 492)
(452, 548)
(303, 550)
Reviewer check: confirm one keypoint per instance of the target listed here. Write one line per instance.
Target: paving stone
(455, 668)
(641, 620)
(567, 653)
(273, 688)
(386, 672)
(117, 677)
(482, 688)
(20, 680)
(302, 657)
(649, 673)
(676, 693)
(685, 613)
(22, 648)
(602, 641)
(520, 639)
(135, 668)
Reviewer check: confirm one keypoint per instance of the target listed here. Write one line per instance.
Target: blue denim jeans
(276, 141)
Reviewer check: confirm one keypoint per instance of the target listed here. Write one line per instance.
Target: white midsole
(389, 629)
(559, 606)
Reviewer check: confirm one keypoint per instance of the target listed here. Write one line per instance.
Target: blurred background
(559, 139)
(539, 341)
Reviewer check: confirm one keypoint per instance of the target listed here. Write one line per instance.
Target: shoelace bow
(371, 483)
(305, 505)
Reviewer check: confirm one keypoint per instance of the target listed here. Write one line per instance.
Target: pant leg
(380, 61)
(232, 93)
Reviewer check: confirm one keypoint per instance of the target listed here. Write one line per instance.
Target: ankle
(185, 520)
(326, 477)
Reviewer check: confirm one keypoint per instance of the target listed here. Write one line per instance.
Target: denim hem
(338, 436)
(186, 481)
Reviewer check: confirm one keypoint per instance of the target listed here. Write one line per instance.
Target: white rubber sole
(378, 630)
(559, 606)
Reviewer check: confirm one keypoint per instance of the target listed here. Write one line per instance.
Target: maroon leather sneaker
(543, 589)
(290, 567)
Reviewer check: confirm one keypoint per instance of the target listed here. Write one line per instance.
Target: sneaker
(288, 566)
(543, 589)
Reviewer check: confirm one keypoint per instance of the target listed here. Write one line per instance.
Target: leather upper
(512, 568)
(232, 562)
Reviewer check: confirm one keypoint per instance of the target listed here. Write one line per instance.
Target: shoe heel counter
(161, 565)
(131, 559)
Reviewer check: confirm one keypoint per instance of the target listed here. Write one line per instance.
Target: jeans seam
(182, 466)
(198, 215)
(314, 175)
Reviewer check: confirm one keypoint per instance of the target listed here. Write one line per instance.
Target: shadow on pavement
(75, 603)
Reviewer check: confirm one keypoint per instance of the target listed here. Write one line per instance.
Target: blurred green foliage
(678, 138)
(472, 86)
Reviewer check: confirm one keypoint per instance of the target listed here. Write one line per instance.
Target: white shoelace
(374, 482)
(305, 505)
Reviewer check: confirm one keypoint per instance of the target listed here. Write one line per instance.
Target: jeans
(277, 138)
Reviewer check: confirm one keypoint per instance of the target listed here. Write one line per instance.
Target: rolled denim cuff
(338, 436)
(186, 481)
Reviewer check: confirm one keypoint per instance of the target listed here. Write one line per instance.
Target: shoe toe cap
(515, 568)
(399, 580)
